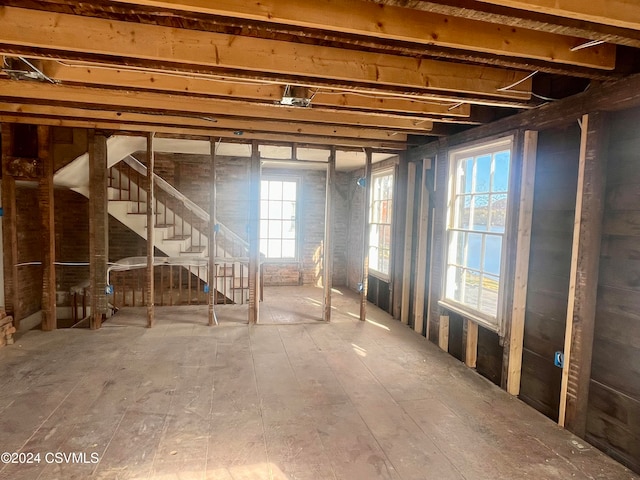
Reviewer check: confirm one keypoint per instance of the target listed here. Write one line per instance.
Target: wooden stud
(523, 243)
(443, 336)
(48, 233)
(399, 204)
(98, 227)
(327, 257)
(583, 282)
(471, 346)
(408, 244)
(423, 243)
(366, 233)
(254, 236)
(151, 225)
(211, 273)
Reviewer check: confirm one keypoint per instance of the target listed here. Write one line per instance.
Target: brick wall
(72, 241)
(29, 281)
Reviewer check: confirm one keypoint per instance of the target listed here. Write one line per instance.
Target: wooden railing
(188, 221)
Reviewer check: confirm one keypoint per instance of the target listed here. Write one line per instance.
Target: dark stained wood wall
(613, 421)
(549, 267)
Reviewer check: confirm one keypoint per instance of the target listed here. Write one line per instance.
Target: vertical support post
(399, 204)
(365, 235)
(45, 200)
(583, 282)
(327, 257)
(471, 347)
(9, 229)
(211, 275)
(254, 235)
(151, 225)
(98, 226)
(408, 244)
(423, 242)
(523, 244)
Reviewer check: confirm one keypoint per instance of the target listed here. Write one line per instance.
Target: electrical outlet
(558, 359)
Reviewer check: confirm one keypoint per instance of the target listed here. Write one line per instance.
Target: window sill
(469, 315)
(380, 276)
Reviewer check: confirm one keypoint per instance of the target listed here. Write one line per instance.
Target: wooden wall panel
(549, 266)
(490, 354)
(613, 417)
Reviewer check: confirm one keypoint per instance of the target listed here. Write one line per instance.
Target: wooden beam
(98, 227)
(402, 24)
(619, 13)
(583, 282)
(408, 244)
(421, 260)
(527, 19)
(249, 56)
(254, 235)
(107, 99)
(623, 94)
(443, 335)
(211, 236)
(523, 243)
(151, 226)
(471, 345)
(48, 230)
(366, 233)
(189, 121)
(200, 132)
(9, 228)
(327, 257)
(186, 83)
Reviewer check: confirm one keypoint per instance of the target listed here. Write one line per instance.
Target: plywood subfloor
(347, 400)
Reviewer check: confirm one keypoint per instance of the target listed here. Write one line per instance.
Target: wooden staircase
(181, 230)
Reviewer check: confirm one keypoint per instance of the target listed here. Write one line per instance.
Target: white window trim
(382, 173)
(282, 177)
(494, 324)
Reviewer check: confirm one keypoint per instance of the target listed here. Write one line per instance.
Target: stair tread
(178, 238)
(164, 225)
(194, 250)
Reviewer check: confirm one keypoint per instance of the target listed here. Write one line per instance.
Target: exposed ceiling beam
(395, 23)
(78, 73)
(245, 126)
(620, 13)
(270, 59)
(492, 13)
(96, 98)
(197, 132)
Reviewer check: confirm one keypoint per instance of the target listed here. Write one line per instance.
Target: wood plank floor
(347, 400)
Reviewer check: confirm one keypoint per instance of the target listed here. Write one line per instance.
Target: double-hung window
(380, 223)
(278, 218)
(477, 213)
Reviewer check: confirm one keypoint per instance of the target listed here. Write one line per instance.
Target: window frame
(383, 172)
(282, 178)
(475, 150)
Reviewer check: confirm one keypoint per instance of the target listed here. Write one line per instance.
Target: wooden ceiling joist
(620, 13)
(96, 98)
(527, 19)
(76, 73)
(262, 58)
(191, 132)
(237, 125)
(395, 23)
